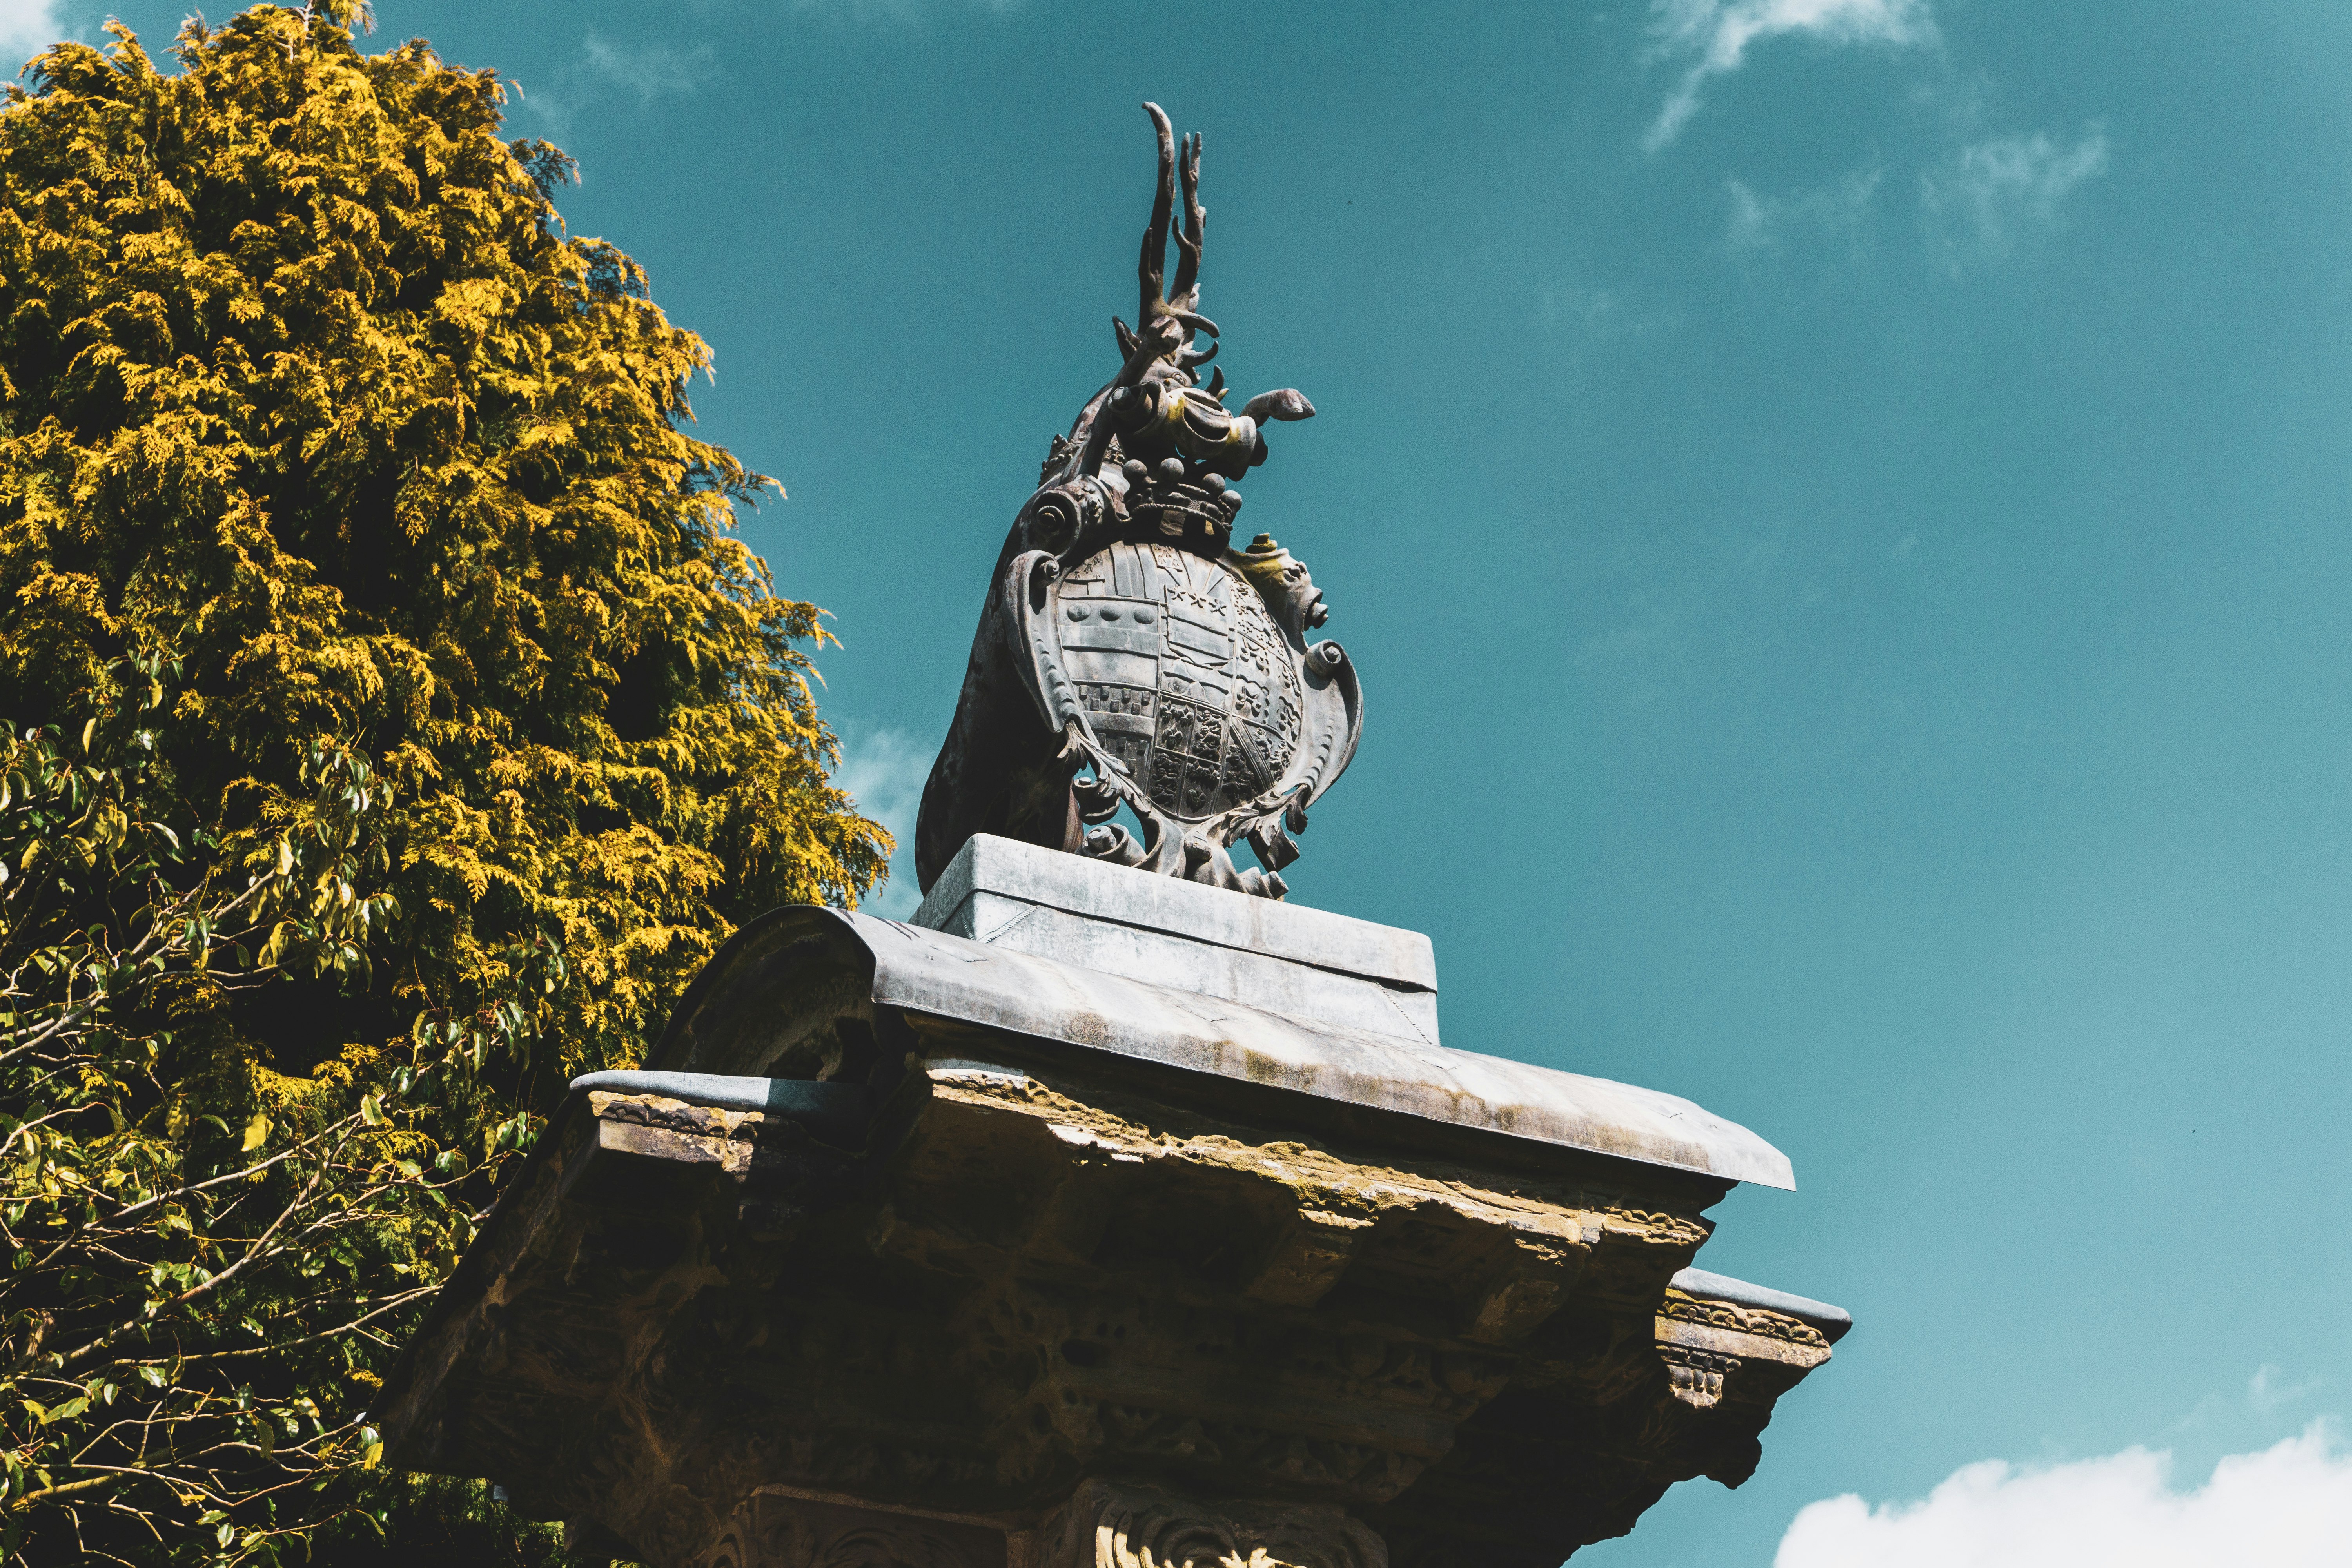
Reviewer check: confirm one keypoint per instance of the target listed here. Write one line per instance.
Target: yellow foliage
(359, 572)
(307, 383)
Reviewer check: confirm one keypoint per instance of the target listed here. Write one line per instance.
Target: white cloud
(2289, 1506)
(2268, 1390)
(1718, 33)
(28, 27)
(1601, 314)
(884, 770)
(1840, 211)
(1997, 195)
(647, 70)
(644, 70)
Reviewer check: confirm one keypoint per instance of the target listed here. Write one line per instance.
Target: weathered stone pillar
(1099, 1219)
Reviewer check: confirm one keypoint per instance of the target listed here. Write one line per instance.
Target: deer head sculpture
(1180, 447)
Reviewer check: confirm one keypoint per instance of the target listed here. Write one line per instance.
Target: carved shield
(1183, 675)
(1201, 708)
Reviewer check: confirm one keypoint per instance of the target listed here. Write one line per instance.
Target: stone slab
(1276, 984)
(991, 880)
(1303, 962)
(1041, 999)
(1832, 1322)
(1345, 1009)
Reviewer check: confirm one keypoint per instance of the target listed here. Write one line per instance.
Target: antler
(1168, 323)
(1152, 266)
(1187, 295)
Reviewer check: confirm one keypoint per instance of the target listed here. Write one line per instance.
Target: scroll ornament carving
(1678, 1229)
(1696, 1375)
(1685, 1308)
(1108, 1526)
(784, 1532)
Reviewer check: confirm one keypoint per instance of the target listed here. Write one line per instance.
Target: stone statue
(1127, 655)
(1091, 1221)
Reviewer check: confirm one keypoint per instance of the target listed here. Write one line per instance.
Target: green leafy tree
(207, 1256)
(397, 723)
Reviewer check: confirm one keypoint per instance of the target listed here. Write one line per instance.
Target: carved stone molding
(1703, 1341)
(781, 1532)
(1696, 1376)
(1685, 1309)
(1104, 1525)
(1376, 1353)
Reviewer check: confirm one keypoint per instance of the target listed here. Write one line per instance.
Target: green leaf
(391, 744)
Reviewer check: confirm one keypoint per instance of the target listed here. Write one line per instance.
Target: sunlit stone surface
(945, 1258)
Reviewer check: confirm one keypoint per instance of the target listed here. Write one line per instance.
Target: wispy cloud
(1601, 314)
(28, 27)
(896, 10)
(646, 71)
(1840, 211)
(2268, 1390)
(884, 770)
(2289, 1506)
(1634, 660)
(1715, 37)
(1996, 196)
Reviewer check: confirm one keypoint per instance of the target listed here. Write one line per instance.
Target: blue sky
(1839, 506)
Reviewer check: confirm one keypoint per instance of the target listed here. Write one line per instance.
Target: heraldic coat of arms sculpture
(1128, 655)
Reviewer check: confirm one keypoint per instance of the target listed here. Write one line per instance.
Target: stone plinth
(1030, 1242)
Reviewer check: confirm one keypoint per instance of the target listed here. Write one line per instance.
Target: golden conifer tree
(378, 652)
